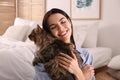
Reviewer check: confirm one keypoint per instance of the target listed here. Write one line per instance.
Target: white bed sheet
(16, 59)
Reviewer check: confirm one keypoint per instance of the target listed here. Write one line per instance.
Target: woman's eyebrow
(62, 18)
(59, 20)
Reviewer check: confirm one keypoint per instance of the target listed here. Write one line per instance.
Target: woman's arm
(88, 72)
(71, 64)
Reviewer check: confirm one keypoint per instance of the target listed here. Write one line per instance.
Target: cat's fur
(49, 49)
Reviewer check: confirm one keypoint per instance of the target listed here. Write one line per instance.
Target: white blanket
(16, 59)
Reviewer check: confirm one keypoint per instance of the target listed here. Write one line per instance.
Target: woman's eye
(62, 22)
(52, 27)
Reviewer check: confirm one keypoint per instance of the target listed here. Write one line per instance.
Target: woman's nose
(60, 27)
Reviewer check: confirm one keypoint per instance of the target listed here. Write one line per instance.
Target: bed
(15, 60)
(17, 52)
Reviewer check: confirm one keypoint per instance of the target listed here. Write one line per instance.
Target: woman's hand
(71, 65)
(88, 71)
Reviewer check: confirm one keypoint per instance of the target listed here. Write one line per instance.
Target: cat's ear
(38, 28)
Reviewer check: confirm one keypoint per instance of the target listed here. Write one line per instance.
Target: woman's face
(60, 27)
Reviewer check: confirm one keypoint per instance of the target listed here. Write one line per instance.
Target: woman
(57, 23)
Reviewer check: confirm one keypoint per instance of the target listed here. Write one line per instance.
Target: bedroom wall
(33, 9)
(7, 14)
(109, 24)
(110, 10)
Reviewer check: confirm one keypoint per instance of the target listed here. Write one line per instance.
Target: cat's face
(37, 35)
(40, 37)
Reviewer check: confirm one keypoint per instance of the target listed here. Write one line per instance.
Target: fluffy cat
(49, 49)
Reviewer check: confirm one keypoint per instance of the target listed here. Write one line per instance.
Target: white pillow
(20, 21)
(91, 39)
(16, 32)
(79, 36)
(32, 24)
(115, 63)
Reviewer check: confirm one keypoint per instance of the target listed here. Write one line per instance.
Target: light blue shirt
(40, 73)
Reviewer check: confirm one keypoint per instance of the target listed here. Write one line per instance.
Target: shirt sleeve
(40, 73)
(86, 57)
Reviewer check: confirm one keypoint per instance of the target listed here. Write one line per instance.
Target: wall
(30, 9)
(110, 9)
(7, 14)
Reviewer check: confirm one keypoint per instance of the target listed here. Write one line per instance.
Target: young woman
(57, 23)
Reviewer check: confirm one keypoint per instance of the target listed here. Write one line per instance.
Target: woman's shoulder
(82, 50)
(85, 55)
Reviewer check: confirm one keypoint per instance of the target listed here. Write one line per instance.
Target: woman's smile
(64, 34)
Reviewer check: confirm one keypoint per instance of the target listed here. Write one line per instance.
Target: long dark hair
(51, 12)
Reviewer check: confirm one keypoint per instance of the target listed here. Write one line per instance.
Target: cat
(49, 48)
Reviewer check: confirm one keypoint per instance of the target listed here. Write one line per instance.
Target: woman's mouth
(64, 34)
